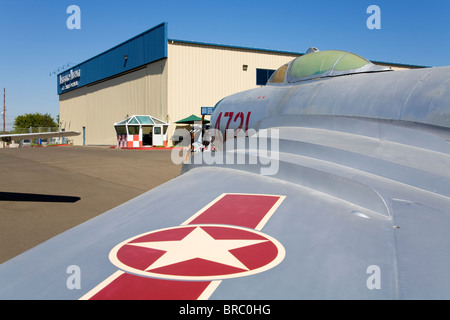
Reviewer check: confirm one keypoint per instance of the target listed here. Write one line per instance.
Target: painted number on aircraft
(231, 117)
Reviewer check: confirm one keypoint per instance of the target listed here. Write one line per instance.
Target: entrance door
(147, 132)
(157, 135)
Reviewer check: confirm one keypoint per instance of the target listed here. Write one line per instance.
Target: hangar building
(151, 74)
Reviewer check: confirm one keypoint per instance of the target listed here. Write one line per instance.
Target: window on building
(262, 76)
(121, 130)
(132, 130)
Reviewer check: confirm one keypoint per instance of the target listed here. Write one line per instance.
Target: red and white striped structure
(133, 131)
(129, 141)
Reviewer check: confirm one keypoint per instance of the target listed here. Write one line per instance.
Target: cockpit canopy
(321, 64)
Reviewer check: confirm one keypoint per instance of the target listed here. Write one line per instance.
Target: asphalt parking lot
(45, 191)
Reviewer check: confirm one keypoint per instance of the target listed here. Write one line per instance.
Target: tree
(34, 120)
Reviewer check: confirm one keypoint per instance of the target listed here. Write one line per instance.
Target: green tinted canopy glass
(278, 76)
(314, 63)
(329, 63)
(350, 61)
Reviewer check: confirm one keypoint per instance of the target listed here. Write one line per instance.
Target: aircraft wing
(41, 135)
(354, 209)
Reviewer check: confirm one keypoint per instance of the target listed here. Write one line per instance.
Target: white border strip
(198, 213)
(206, 294)
(269, 213)
(102, 285)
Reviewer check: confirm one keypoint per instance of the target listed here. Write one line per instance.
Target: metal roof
(145, 48)
(140, 120)
(234, 47)
(280, 51)
(140, 50)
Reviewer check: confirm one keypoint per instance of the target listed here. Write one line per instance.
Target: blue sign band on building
(145, 48)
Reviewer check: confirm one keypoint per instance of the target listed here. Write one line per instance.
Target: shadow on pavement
(34, 197)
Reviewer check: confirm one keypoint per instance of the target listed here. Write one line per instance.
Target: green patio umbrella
(190, 120)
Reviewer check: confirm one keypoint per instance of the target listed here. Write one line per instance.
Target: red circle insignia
(198, 252)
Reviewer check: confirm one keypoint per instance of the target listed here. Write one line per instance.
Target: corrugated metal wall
(193, 75)
(99, 106)
(200, 75)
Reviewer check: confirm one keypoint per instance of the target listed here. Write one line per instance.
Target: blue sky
(35, 40)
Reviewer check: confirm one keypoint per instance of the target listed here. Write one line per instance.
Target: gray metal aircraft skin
(363, 161)
(40, 135)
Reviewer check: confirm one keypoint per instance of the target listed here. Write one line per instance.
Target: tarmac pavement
(47, 190)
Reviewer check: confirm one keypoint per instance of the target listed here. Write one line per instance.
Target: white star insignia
(197, 244)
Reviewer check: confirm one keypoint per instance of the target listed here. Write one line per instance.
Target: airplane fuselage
(419, 96)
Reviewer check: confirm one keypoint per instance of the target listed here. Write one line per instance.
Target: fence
(35, 130)
(43, 141)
